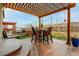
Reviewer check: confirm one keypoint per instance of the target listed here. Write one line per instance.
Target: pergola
(43, 9)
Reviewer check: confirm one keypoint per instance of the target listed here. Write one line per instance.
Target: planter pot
(75, 42)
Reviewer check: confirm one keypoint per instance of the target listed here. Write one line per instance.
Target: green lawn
(58, 35)
(21, 36)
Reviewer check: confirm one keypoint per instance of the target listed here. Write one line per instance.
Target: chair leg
(47, 39)
(32, 39)
(51, 39)
(43, 38)
(39, 38)
(36, 40)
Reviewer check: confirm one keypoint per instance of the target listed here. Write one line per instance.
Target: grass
(21, 36)
(75, 34)
(56, 35)
(59, 36)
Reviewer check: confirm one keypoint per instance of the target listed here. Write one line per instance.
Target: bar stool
(35, 34)
(47, 34)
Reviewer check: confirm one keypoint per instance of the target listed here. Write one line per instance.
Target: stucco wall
(1, 19)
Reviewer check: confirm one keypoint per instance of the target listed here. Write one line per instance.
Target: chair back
(4, 34)
(50, 29)
(33, 30)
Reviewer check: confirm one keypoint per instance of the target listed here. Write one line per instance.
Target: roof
(10, 23)
(39, 9)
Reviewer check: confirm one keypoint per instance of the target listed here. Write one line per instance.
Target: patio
(58, 48)
(26, 48)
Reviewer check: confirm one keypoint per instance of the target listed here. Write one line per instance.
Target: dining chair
(50, 35)
(35, 34)
(4, 35)
(47, 34)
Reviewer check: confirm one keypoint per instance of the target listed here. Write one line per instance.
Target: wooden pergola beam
(40, 9)
(61, 9)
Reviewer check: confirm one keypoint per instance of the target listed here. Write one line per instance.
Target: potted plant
(75, 41)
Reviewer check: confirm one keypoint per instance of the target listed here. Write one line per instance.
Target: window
(9, 26)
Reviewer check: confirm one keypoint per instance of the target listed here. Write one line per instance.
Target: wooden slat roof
(39, 9)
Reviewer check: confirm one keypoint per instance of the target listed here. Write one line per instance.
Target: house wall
(12, 24)
(1, 19)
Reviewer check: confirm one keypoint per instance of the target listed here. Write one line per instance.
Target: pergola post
(1, 20)
(68, 27)
(39, 22)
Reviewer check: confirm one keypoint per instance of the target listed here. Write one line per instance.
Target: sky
(24, 19)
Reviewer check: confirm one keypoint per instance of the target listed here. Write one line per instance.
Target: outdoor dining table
(41, 33)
